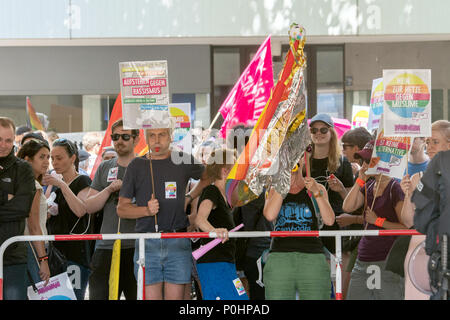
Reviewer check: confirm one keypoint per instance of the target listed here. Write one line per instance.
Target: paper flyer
(144, 87)
(389, 155)
(360, 116)
(407, 103)
(376, 104)
(59, 287)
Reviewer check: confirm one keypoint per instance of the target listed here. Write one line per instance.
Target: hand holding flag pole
(153, 185)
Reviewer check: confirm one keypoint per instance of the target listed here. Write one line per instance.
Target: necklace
(70, 181)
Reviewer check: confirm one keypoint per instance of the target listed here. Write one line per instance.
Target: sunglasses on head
(323, 130)
(124, 136)
(65, 142)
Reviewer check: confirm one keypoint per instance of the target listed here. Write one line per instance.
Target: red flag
(116, 114)
(249, 95)
(32, 119)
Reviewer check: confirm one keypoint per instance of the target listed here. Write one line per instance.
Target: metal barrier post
(338, 262)
(141, 270)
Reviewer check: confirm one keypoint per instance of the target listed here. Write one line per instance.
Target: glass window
(330, 80)
(437, 104)
(66, 113)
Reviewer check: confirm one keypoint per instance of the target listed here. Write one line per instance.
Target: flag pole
(214, 120)
(153, 184)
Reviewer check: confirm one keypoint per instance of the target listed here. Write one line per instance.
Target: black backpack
(432, 218)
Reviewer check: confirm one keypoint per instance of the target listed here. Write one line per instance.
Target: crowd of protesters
(45, 191)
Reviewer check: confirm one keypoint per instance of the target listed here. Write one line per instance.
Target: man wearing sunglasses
(104, 194)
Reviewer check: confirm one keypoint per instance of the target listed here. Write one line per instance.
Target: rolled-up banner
(197, 254)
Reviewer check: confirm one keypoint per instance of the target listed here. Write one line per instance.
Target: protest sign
(376, 104)
(360, 116)
(407, 103)
(181, 113)
(389, 155)
(144, 88)
(59, 287)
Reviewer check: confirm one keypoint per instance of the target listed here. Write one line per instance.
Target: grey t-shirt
(170, 181)
(107, 172)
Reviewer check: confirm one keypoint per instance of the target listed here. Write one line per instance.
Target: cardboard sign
(144, 88)
(389, 155)
(59, 287)
(376, 104)
(360, 116)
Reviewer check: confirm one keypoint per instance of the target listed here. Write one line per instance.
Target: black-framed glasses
(124, 136)
(347, 145)
(323, 130)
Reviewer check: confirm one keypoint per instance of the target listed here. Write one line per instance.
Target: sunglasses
(67, 143)
(124, 136)
(323, 130)
(346, 145)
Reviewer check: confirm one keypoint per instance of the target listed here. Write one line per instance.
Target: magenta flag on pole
(249, 95)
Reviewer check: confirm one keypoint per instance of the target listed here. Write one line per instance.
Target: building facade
(65, 54)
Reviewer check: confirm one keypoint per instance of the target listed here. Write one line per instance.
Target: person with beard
(104, 194)
(17, 189)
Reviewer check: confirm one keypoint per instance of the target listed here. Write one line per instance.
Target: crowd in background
(46, 189)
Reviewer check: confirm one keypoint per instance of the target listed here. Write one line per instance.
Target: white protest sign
(360, 116)
(181, 113)
(59, 287)
(144, 88)
(407, 103)
(389, 155)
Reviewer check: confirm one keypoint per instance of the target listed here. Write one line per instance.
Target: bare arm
(408, 186)
(34, 228)
(95, 200)
(202, 220)
(272, 205)
(325, 209)
(128, 210)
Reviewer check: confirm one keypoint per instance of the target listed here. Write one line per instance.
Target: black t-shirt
(219, 217)
(170, 179)
(319, 171)
(76, 251)
(297, 214)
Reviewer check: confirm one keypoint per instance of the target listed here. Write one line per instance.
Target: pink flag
(249, 95)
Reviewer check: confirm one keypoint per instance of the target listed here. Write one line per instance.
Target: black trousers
(252, 274)
(99, 278)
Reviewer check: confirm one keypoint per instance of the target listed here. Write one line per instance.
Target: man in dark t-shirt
(153, 193)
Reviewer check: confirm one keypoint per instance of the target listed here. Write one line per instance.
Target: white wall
(95, 70)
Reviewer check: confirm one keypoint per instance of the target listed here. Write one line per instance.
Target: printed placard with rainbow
(376, 104)
(407, 103)
(389, 155)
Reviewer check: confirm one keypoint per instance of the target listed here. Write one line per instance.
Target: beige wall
(365, 62)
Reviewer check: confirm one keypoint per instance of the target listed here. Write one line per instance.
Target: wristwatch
(318, 194)
(187, 195)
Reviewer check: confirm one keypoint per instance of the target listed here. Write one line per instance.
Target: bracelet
(360, 182)
(40, 259)
(379, 222)
(318, 194)
(188, 195)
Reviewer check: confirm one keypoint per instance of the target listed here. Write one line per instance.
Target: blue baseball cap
(325, 118)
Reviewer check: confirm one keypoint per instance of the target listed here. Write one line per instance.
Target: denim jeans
(15, 282)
